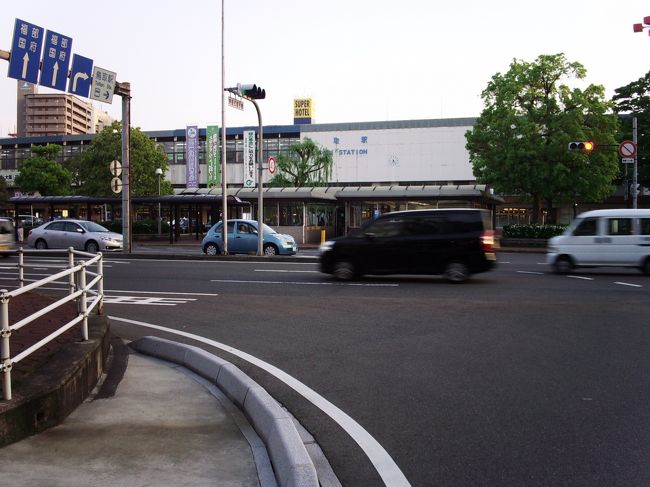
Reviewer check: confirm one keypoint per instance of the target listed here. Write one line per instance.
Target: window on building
(290, 214)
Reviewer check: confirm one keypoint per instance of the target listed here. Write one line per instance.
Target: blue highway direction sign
(56, 59)
(26, 51)
(80, 76)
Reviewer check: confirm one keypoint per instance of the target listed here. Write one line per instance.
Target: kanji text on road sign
(26, 51)
(80, 76)
(103, 85)
(627, 148)
(56, 59)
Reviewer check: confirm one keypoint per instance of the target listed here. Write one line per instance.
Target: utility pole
(124, 90)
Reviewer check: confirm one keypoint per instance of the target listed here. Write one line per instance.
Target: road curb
(291, 462)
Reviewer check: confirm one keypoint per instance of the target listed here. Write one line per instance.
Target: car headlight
(326, 246)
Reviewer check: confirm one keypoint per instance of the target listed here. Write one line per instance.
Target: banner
(192, 157)
(212, 154)
(249, 159)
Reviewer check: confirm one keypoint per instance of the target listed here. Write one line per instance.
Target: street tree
(519, 143)
(4, 194)
(43, 174)
(307, 164)
(91, 170)
(633, 100)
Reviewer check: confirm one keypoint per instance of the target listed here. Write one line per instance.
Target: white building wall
(398, 154)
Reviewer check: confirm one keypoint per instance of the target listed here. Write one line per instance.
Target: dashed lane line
(299, 283)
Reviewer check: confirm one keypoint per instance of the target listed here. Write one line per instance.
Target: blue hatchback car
(243, 239)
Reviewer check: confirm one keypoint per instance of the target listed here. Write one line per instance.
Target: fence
(79, 289)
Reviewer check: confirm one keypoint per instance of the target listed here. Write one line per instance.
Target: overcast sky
(358, 60)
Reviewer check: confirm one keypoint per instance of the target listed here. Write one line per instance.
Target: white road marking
(382, 461)
(581, 277)
(531, 272)
(145, 300)
(298, 283)
(286, 270)
(159, 292)
(628, 284)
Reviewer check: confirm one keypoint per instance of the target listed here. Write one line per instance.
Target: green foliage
(91, 169)
(518, 144)
(308, 164)
(532, 231)
(4, 194)
(43, 174)
(634, 99)
(139, 227)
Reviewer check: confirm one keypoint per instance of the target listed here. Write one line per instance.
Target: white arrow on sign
(77, 77)
(55, 72)
(25, 65)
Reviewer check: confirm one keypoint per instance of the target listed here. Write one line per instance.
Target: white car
(79, 234)
(603, 238)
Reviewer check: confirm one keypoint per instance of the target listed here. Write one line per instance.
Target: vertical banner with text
(212, 154)
(249, 159)
(192, 157)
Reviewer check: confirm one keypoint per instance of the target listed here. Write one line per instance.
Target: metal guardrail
(79, 289)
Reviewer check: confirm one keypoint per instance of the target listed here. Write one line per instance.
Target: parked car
(452, 242)
(80, 234)
(243, 239)
(7, 234)
(613, 238)
(30, 220)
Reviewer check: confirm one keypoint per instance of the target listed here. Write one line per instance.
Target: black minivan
(454, 242)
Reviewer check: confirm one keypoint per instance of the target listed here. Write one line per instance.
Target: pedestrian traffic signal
(252, 91)
(582, 146)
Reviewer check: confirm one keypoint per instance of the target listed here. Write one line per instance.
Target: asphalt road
(517, 377)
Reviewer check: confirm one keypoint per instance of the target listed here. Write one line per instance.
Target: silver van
(7, 235)
(613, 238)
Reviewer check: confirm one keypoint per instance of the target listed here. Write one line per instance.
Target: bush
(532, 231)
(142, 227)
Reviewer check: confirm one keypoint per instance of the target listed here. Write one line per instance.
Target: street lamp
(159, 173)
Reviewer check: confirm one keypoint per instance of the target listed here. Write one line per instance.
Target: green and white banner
(249, 159)
(212, 154)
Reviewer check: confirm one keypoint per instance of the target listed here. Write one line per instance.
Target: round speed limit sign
(272, 164)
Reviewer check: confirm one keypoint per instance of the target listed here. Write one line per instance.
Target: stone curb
(291, 462)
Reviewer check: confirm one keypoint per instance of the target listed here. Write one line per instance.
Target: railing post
(83, 308)
(70, 266)
(100, 284)
(5, 353)
(21, 267)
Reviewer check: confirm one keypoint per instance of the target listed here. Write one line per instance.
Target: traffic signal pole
(260, 194)
(635, 175)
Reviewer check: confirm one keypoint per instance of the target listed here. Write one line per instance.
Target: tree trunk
(536, 207)
(549, 211)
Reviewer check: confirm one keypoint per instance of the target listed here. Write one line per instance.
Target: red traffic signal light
(587, 146)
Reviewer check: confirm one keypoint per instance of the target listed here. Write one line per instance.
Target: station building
(377, 167)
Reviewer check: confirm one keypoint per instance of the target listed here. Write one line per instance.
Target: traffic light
(582, 146)
(253, 92)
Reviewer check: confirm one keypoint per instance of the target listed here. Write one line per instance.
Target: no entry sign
(627, 148)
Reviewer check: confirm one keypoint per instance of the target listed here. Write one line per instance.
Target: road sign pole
(635, 178)
(124, 90)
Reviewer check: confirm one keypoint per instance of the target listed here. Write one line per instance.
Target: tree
(43, 174)
(91, 171)
(307, 164)
(519, 143)
(4, 194)
(634, 99)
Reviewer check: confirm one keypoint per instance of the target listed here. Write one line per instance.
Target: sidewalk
(163, 426)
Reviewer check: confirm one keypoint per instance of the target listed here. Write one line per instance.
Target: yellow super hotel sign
(302, 110)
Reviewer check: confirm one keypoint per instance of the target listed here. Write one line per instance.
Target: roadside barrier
(88, 295)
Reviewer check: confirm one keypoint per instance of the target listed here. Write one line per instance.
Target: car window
(245, 228)
(619, 226)
(587, 227)
(6, 227)
(71, 227)
(231, 227)
(93, 227)
(386, 227)
(645, 226)
(56, 226)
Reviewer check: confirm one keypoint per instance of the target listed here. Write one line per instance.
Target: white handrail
(79, 290)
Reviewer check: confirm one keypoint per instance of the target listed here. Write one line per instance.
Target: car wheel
(40, 244)
(563, 264)
(344, 270)
(270, 249)
(211, 249)
(645, 268)
(456, 272)
(92, 247)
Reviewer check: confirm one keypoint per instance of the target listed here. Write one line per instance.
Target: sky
(358, 60)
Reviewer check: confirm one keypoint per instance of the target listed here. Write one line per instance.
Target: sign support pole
(124, 90)
(635, 175)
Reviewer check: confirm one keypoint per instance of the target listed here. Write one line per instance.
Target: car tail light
(487, 241)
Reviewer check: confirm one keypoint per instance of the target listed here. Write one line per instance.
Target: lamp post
(159, 173)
